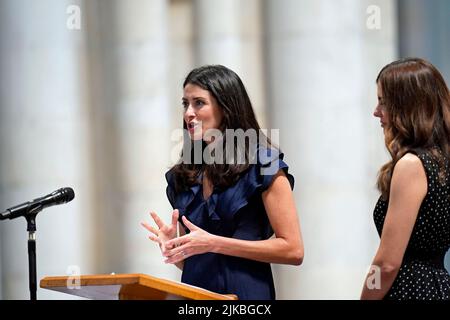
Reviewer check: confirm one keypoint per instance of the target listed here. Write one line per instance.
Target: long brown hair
(229, 91)
(417, 102)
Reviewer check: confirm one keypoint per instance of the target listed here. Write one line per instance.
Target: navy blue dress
(237, 212)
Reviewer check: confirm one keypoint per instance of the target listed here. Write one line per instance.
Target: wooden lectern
(129, 287)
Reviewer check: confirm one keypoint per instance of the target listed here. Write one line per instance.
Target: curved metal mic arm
(5, 215)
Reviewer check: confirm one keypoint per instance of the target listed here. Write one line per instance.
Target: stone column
(322, 63)
(182, 56)
(44, 140)
(229, 33)
(129, 95)
(424, 26)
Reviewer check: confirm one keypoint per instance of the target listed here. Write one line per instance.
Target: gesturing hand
(164, 232)
(198, 241)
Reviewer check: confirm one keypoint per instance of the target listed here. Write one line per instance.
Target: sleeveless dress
(422, 275)
(236, 212)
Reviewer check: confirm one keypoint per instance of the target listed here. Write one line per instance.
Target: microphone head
(68, 194)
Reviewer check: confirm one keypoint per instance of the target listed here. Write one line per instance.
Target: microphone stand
(29, 210)
(31, 228)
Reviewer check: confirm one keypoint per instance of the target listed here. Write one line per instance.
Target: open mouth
(192, 125)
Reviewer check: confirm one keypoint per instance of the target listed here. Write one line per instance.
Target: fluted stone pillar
(425, 26)
(129, 67)
(43, 141)
(229, 33)
(181, 34)
(322, 64)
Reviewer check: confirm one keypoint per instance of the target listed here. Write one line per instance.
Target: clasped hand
(176, 249)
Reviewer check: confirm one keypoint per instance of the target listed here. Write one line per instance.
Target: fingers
(180, 256)
(157, 220)
(155, 239)
(149, 228)
(175, 215)
(177, 242)
(189, 224)
(175, 251)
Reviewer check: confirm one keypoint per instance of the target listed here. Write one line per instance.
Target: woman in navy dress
(412, 215)
(236, 215)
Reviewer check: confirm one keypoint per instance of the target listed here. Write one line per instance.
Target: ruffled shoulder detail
(170, 189)
(180, 200)
(224, 205)
(256, 180)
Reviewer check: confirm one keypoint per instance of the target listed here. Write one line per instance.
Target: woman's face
(380, 110)
(201, 111)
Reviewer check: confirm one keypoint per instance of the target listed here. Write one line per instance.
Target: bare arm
(408, 189)
(286, 247)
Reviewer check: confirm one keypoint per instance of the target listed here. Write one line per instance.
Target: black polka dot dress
(422, 275)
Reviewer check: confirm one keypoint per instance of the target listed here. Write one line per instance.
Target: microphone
(59, 196)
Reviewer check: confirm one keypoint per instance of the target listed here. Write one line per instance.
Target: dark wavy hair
(417, 102)
(229, 91)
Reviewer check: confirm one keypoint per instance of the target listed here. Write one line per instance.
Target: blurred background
(90, 95)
